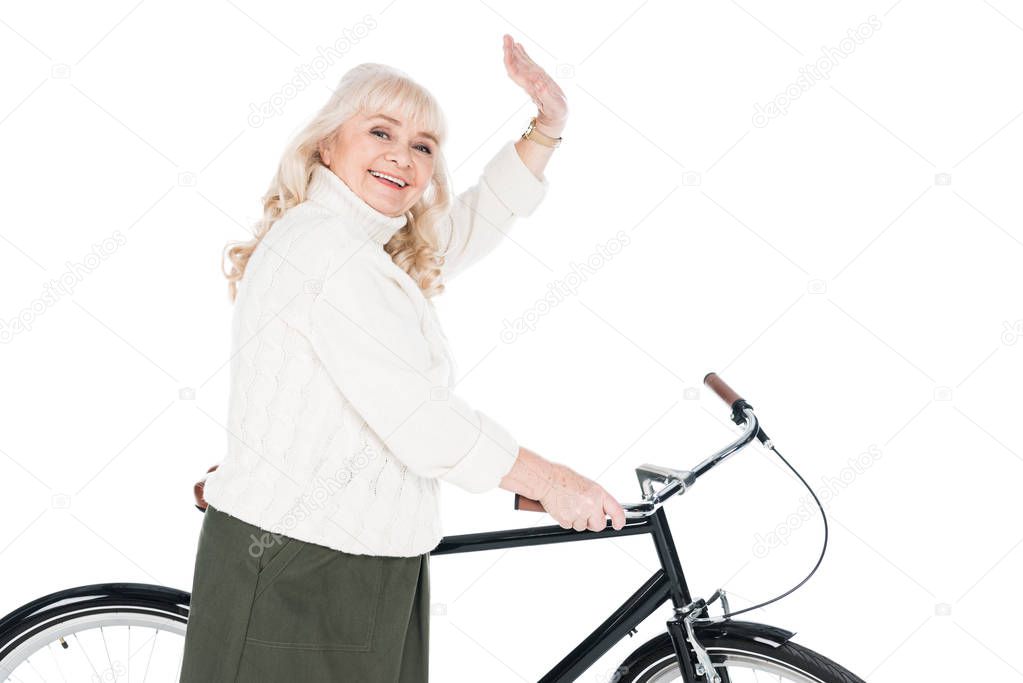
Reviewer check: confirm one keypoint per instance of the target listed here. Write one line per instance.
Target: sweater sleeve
(481, 215)
(366, 330)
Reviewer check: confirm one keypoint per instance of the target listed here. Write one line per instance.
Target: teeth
(398, 181)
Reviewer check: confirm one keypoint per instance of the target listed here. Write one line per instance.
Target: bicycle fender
(762, 633)
(92, 594)
(708, 634)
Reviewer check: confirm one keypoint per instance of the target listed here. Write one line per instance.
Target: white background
(852, 268)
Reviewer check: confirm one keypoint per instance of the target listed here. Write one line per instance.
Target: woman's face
(366, 146)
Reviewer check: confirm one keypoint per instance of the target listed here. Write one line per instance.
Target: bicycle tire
(654, 662)
(33, 627)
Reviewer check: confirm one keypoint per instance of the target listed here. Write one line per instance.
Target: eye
(424, 148)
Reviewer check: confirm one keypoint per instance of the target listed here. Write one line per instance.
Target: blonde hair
(368, 88)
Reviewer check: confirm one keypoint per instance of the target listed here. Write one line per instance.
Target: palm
(541, 88)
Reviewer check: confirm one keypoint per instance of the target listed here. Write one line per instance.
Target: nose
(400, 156)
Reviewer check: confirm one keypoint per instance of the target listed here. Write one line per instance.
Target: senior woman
(313, 558)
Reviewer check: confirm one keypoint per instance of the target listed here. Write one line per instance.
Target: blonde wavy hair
(368, 88)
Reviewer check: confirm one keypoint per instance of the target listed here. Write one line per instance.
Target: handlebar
(721, 388)
(678, 481)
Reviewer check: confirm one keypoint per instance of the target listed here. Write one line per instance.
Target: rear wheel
(736, 660)
(102, 632)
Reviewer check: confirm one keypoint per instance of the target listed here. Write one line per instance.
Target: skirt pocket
(311, 597)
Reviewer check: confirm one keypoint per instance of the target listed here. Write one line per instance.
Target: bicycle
(695, 648)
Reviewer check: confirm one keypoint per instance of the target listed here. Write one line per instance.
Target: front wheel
(736, 660)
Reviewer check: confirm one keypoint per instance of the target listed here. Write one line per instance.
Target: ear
(324, 155)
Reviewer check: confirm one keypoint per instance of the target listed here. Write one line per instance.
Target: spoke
(181, 661)
(87, 658)
(56, 661)
(150, 661)
(35, 670)
(132, 655)
(106, 648)
(99, 637)
(15, 678)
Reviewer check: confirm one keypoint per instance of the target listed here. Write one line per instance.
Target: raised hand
(552, 107)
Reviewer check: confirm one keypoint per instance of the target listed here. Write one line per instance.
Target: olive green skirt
(268, 608)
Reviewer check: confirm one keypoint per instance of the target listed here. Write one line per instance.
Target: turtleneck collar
(328, 190)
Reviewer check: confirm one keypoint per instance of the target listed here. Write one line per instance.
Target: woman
(313, 559)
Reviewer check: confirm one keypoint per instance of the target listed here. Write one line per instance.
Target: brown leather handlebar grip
(200, 501)
(523, 503)
(727, 393)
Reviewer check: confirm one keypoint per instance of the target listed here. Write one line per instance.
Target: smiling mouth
(387, 182)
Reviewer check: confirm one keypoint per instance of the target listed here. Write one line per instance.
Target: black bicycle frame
(667, 583)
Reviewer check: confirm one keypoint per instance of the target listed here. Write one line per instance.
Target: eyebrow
(398, 123)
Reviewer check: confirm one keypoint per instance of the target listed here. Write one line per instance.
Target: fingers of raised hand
(522, 53)
(519, 63)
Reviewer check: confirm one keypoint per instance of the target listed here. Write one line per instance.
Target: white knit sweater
(341, 419)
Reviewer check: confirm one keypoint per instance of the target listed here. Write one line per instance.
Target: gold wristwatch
(536, 136)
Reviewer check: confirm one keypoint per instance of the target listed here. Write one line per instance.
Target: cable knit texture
(342, 419)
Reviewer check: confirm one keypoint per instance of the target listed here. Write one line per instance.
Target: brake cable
(770, 445)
